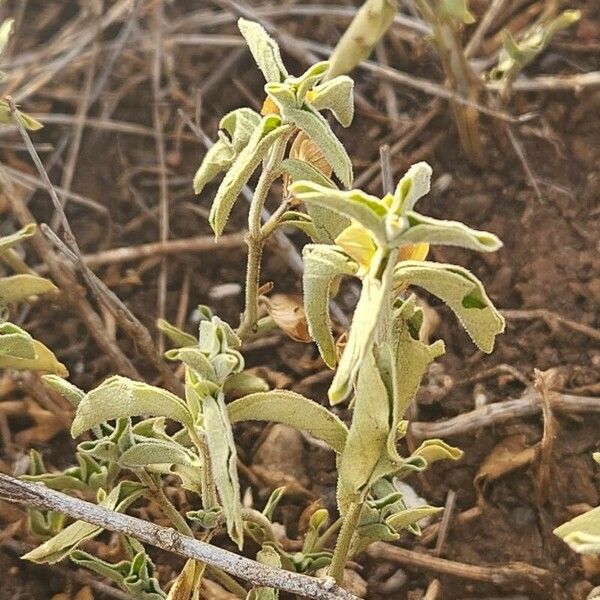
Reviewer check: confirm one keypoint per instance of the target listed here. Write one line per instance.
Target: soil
(549, 261)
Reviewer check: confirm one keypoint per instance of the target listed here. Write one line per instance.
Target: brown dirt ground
(549, 260)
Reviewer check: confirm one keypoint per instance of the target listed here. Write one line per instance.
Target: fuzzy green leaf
(368, 210)
(446, 233)
(66, 389)
(17, 288)
(122, 397)
(6, 30)
(284, 406)
(335, 95)
(180, 338)
(434, 450)
(245, 164)
(414, 184)
(462, 292)
(57, 548)
(8, 241)
(582, 533)
(410, 516)
(157, 452)
(15, 342)
(323, 265)
(328, 224)
(264, 49)
(44, 361)
(368, 434)
(373, 297)
(318, 130)
(218, 158)
(221, 447)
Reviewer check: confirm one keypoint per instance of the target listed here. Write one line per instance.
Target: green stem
(342, 546)
(159, 496)
(209, 490)
(322, 539)
(255, 239)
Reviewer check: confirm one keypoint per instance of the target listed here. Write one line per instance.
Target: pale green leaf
(223, 455)
(8, 241)
(6, 30)
(308, 79)
(318, 130)
(434, 450)
(301, 221)
(368, 434)
(455, 9)
(284, 406)
(411, 516)
(15, 342)
(240, 123)
(414, 184)
(240, 172)
(264, 49)
(66, 389)
(300, 170)
(180, 338)
(448, 233)
(218, 158)
(156, 452)
(582, 533)
(323, 265)
(17, 288)
(57, 548)
(373, 298)
(122, 397)
(44, 361)
(244, 383)
(335, 95)
(368, 210)
(462, 292)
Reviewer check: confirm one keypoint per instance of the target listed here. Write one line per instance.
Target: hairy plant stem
(342, 546)
(158, 494)
(256, 237)
(322, 539)
(209, 490)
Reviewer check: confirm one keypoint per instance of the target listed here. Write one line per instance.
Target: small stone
(282, 451)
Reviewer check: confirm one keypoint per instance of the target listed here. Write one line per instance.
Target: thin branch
(39, 496)
(511, 575)
(528, 404)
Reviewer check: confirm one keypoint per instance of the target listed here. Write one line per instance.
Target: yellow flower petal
(269, 107)
(357, 243)
(413, 252)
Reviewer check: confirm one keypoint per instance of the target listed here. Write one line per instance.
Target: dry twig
(39, 496)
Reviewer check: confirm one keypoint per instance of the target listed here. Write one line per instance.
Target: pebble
(283, 451)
